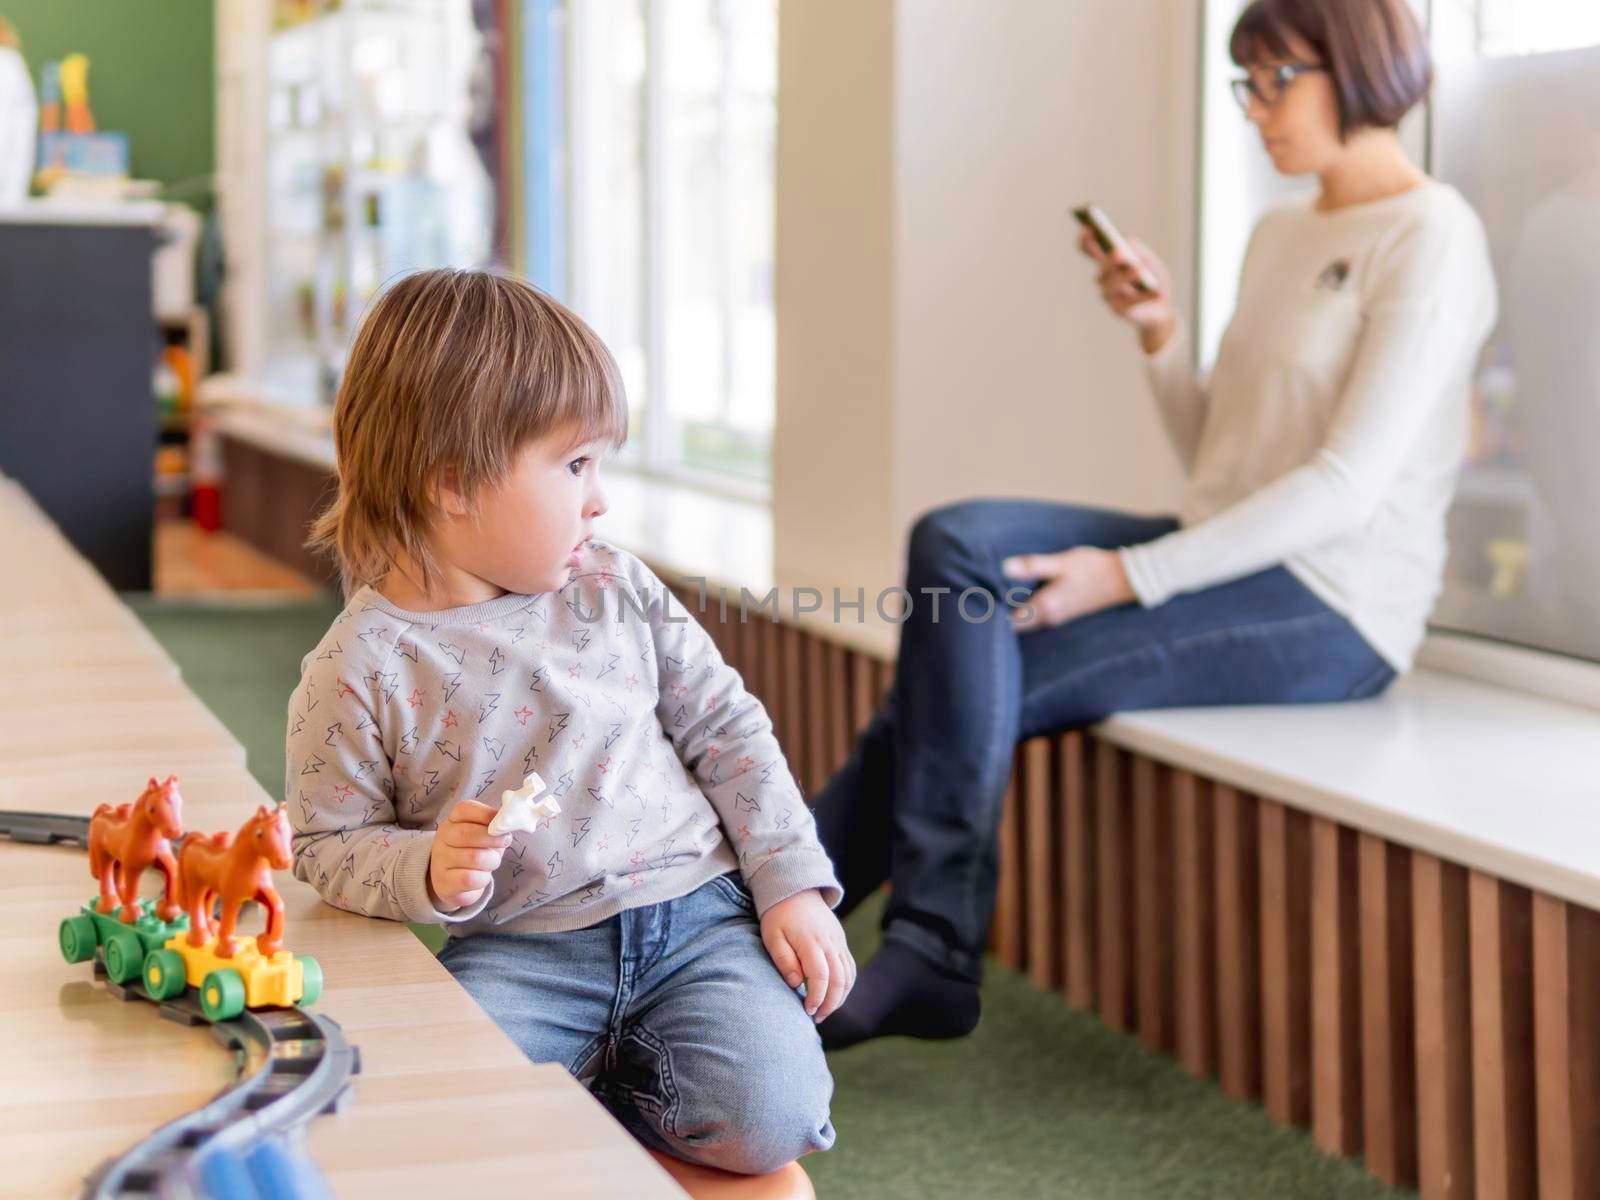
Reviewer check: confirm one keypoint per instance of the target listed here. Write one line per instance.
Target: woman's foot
(900, 993)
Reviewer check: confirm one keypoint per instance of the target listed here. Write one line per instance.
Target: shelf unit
(345, 158)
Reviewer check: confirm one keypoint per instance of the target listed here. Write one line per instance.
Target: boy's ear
(446, 493)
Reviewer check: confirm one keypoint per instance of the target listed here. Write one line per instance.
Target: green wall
(150, 74)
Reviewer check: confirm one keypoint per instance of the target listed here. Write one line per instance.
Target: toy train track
(303, 1067)
(293, 1064)
(45, 828)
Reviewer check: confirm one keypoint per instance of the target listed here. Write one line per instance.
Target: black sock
(900, 993)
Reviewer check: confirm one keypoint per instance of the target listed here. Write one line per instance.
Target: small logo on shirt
(1334, 275)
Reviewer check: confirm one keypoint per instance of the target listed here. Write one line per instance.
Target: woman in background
(1321, 457)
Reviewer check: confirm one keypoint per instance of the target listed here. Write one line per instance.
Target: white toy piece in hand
(520, 810)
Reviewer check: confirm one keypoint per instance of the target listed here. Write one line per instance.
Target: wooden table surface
(90, 707)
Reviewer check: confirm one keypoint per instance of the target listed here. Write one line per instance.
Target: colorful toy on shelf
(50, 98)
(127, 840)
(75, 92)
(166, 949)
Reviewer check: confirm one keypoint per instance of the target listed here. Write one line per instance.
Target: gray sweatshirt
(666, 770)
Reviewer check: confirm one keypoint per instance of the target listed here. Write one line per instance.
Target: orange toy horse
(236, 869)
(127, 840)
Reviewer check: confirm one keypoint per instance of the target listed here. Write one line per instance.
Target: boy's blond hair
(453, 371)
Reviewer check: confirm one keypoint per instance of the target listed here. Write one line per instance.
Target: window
(671, 137)
(1516, 127)
(1514, 124)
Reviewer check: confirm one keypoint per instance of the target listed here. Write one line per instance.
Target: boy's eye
(578, 465)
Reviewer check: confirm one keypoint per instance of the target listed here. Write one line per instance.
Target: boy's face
(525, 534)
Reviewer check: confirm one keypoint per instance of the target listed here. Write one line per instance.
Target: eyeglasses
(1273, 86)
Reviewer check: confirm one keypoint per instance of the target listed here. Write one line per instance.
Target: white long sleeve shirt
(1331, 431)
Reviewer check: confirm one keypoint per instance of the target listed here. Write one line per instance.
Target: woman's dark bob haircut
(1374, 51)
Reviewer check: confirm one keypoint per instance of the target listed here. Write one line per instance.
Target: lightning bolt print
(558, 722)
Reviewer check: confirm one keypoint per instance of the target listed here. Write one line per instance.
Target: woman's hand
(807, 946)
(1152, 314)
(1072, 584)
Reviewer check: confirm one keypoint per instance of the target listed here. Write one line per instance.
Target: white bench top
(1491, 778)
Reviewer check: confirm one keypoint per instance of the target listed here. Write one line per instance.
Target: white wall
(832, 457)
(1011, 376)
(998, 372)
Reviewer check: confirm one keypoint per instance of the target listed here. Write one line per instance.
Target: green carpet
(1039, 1102)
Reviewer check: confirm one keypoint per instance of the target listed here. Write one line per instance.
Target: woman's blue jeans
(918, 802)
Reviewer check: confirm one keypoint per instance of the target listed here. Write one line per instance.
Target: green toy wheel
(311, 980)
(222, 995)
(124, 956)
(78, 939)
(165, 975)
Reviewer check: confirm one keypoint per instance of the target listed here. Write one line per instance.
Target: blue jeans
(918, 802)
(675, 1018)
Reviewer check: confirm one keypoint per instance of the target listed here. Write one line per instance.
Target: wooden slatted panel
(1194, 932)
(840, 728)
(1238, 916)
(1285, 964)
(1336, 1112)
(1113, 917)
(1444, 1052)
(1152, 884)
(748, 642)
(1007, 939)
(791, 689)
(815, 728)
(710, 613)
(1077, 866)
(1038, 856)
(1504, 1134)
(769, 669)
(863, 689)
(1388, 1046)
(1566, 992)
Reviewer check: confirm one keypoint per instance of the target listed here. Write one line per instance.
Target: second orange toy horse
(235, 869)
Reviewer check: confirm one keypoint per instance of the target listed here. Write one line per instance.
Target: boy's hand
(807, 944)
(465, 855)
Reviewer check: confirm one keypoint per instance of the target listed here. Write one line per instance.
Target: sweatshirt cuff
(1174, 351)
(1144, 574)
(790, 872)
(411, 886)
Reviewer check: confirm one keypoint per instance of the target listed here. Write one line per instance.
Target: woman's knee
(946, 535)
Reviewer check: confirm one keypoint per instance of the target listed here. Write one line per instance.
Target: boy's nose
(598, 504)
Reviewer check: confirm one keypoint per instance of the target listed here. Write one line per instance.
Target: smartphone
(1111, 241)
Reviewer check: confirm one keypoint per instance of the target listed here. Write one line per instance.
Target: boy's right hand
(465, 855)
